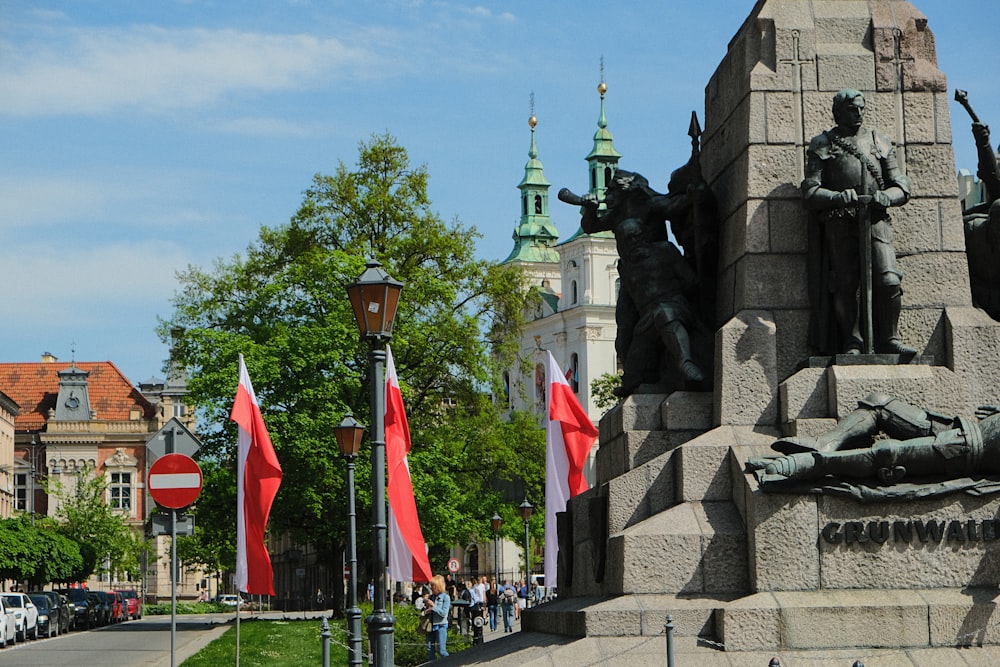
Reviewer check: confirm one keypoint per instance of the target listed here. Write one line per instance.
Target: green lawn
(295, 643)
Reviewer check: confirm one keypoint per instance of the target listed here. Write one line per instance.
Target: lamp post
(496, 523)
(348, 434)
(374, 297)
(526, 509)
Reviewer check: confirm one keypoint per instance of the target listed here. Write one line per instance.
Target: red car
(133, 607)
(115, 604)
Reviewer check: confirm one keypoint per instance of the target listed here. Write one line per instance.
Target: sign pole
(173, 586)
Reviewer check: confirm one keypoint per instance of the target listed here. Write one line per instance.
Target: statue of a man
(920, 444)
(654, 312)
(982, 229)
(852, 178)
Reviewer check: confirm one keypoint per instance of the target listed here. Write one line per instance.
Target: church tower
(535, 236)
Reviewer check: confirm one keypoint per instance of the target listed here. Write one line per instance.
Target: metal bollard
(325, 634)
(670, 640)
(774, 662)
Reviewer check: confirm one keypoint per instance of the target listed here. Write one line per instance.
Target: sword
(865, 262)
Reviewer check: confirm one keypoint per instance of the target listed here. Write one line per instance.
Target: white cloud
(78, 71)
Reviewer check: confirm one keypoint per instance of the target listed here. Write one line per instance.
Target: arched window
(506, 388)
(573, 374)
(540, 384)
(524, 205)
(573, 292)
(538, 204)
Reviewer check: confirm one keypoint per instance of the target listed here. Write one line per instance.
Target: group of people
(483, 598)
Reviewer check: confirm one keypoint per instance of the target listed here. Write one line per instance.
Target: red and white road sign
(174, 481)
(454, 565)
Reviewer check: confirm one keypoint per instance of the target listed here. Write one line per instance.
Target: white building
(576, 280)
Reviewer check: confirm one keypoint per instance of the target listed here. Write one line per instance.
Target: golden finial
(602, 87)
(532, 121)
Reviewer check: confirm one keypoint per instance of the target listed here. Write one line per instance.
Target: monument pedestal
(675, 524)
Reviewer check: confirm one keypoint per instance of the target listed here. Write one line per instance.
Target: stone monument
(675, 524)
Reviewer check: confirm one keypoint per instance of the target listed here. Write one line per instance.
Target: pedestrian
(493, 604)
(439, 612)
(508, 603)
(522, 597)
(319, 598)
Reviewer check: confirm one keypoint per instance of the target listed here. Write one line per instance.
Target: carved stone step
(690, 548)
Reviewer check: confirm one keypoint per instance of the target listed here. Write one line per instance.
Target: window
(121, 490)
(21, 492)
(180, 410)
(573, 292)
(538, 204)
(573, 373)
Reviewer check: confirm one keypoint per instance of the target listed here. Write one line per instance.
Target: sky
(138, 138)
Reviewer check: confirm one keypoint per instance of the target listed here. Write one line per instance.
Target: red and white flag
(569, 435)
(407, 551)
(258, 476)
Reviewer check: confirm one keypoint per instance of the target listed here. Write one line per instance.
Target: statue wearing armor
(850, 167)
(920, 443)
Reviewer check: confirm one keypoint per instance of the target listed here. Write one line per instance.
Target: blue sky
(140, 137)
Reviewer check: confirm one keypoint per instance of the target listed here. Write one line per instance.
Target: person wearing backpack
(508, 602)
(437, 638)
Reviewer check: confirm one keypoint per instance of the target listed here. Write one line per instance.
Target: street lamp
(374, 297)
(496, 523)
(348, 434)
(526, 509)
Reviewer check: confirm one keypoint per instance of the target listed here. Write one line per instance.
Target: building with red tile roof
(82, 415)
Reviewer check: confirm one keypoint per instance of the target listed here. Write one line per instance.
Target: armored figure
(920, 443)
(852, 179)
(654, 311)
(982, 222)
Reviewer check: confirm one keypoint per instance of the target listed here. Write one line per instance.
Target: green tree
(37, 553)
(107, 542)
(283, 305)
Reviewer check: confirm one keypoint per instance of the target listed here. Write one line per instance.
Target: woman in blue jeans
(493, 604)
(438, 636)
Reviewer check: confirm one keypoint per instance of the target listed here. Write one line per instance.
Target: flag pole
(239, 600)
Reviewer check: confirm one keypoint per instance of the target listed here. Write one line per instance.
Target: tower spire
(535, 236)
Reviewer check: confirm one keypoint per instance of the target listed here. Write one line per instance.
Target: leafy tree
(38, 554)
(283, 305)
(603, 390)
(107, 542)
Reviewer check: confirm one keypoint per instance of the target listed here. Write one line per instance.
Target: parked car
(48, 618)
(57, 610)
(117, 608)
(8, 625)
(132, 603)
(25, 615)
(83, 611)
(70, 609)
(102, 611)
(228, 600)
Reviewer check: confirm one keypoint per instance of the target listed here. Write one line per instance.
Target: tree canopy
(282, 304)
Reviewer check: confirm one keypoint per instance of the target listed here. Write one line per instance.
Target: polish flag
(258, 476)
(407, 551)
(569, 435)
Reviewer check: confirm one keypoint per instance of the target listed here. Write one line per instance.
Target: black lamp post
(348, 434)
(496, 523)
(526, 509)
(374, 297)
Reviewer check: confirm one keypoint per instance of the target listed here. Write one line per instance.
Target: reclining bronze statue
(920, 444)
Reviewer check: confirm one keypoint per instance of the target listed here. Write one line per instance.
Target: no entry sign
(174, 481)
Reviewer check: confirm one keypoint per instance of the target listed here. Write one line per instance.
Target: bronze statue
(852, 179)
(982, 222)
(654, 312)
(920, 444)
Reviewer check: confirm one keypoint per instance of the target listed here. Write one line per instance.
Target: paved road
(142, 643)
